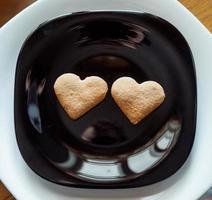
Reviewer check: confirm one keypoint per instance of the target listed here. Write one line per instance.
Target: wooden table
(8, 8)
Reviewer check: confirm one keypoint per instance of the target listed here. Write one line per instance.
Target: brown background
(8, 8)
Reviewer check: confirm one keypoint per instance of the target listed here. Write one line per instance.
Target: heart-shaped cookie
(137, 100)
(78, 96)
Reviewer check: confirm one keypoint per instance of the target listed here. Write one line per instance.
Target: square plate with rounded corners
(200, 49)
(103, 149)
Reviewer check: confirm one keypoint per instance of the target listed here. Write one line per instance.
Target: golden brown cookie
(137, 100)
(79, 96)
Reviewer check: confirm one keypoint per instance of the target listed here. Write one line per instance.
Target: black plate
(110, 45)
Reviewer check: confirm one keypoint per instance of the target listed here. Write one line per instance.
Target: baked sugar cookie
(79, 96)
(137, 100)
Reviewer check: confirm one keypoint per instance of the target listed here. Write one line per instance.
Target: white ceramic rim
(193, 179)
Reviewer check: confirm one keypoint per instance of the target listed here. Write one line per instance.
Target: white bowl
(191, 181)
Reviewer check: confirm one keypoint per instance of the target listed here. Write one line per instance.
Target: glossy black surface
(110, 45)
